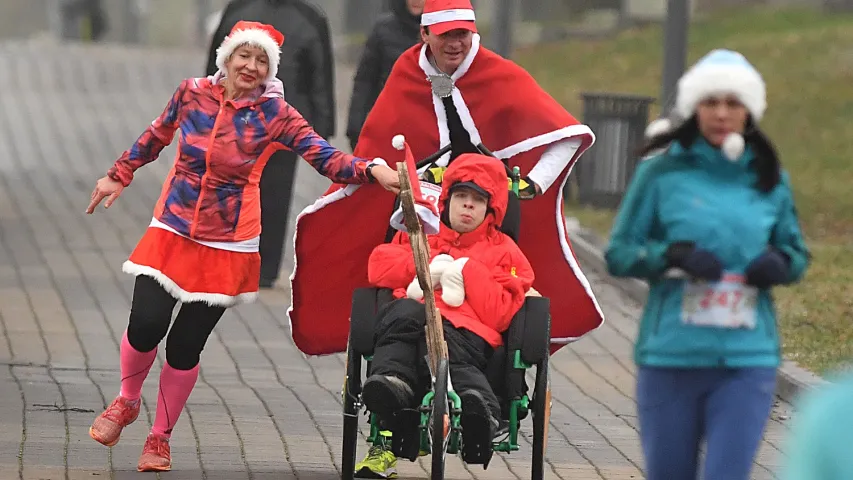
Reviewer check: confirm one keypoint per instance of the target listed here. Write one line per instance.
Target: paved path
(261, 410)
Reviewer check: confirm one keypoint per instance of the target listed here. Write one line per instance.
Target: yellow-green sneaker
(379, 463)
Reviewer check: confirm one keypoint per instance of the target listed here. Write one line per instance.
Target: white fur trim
(378, 161)
(547, 139)
(450, 15)
(431, 222)
(212, 299)
(703, 81)
(398, 142)
(458, 101)
(254, 37)
(552, 163)
(465, 117)
(733, 146)
(567, 249)
(658, 127)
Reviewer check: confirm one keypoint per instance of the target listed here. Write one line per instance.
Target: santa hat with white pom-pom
(256, 34)
(718, 72)
(425, 194)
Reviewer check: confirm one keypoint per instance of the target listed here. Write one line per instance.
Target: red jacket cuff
(120, 173)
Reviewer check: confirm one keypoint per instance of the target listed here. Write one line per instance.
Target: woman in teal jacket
(709, 221)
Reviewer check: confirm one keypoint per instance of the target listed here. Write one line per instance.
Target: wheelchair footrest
(405, 441)
(477, 436)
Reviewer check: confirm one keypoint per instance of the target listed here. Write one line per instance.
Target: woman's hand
(385, 176)
(105, 188)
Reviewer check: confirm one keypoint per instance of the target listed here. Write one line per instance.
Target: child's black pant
(400, 350)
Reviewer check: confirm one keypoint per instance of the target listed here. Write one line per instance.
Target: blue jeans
(680, 407)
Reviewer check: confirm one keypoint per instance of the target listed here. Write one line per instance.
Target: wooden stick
(436, 346)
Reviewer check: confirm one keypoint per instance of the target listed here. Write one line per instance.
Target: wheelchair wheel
(541, 419)
(440, 422)
(351, 392)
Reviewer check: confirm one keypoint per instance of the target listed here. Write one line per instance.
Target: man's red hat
(442, 16)
(252, 33)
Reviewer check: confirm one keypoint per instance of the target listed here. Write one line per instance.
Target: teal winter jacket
(819, 443)
(698, 195)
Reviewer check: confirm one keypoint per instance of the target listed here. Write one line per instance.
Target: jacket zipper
(203, 183)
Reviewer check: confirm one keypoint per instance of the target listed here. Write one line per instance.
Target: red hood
(488, 173)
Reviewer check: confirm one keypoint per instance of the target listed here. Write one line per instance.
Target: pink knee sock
(175, 389)
(135, 366)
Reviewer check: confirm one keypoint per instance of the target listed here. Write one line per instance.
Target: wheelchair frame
(525, 348)
(527, 344)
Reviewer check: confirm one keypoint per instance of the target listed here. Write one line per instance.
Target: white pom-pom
(399, 142)
(733, 146)
(658, 127)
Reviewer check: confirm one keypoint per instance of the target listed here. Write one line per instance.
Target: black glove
(770, 268)
(527, 189)
(696, 262)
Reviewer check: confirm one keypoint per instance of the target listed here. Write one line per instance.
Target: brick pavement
(261, 410)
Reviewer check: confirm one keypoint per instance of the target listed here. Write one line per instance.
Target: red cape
(502, 106)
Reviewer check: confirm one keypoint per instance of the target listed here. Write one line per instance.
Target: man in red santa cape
(448, 90)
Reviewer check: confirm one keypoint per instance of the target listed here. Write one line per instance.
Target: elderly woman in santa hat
(201, 247)
(710, 223)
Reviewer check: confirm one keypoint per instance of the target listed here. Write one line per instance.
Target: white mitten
(436, 269)
(452, 283)
(414, 290)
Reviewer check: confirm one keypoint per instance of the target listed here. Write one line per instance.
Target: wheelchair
(526, 344)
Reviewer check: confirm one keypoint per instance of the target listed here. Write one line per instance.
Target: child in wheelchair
(480, 277)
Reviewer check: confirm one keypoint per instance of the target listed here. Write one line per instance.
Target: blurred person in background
(394, 33)
(711, 224)
(307, 72)
(84, 19)
(820, 446)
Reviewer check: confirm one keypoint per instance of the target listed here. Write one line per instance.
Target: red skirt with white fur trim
(192, 272)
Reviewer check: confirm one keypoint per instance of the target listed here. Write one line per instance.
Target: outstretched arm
(552, 163)
(291, 130)
(153, 140)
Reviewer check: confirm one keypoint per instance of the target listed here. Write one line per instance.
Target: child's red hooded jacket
(497, 274)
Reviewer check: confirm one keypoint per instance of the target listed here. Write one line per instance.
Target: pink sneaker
(107, 427)
(156, 454)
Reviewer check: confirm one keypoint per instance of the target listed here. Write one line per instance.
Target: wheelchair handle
(443, 150)
(435, 156)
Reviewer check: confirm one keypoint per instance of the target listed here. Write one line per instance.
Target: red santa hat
(442, 16)
(426, 195)
(256, 34)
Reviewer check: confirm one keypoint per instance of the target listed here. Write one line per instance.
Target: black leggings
(151, 314)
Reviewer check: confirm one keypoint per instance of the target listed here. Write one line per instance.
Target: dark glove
(696, 262)
(770, 268)
(527, 189)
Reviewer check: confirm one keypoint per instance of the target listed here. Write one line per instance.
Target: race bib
(728, 303)
(431, 193)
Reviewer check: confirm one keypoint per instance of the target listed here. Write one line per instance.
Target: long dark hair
(766, 163)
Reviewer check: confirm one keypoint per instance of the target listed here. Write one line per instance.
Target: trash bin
(618, 122)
